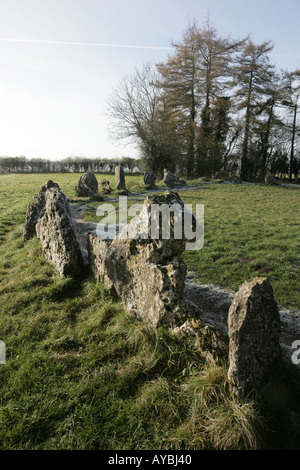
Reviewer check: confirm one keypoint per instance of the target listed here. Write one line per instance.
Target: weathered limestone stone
(148, 274)
(87, 185)
(104, 187)
(120, 178)
(97, 250)
(170, 179)
(34, 210)
(254, 332)
(270, 179)
(149, 178)
(90, 180)
(56, 233)
(210, 341)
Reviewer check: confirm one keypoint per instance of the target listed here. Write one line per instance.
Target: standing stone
(56, 233)
(120, 178)
(169, 179)
(97, 250)
(147, 273)
(34, 210)
(104, 187)
(254, 332)
(271, 180)
(90, 180)
(87, 185)
(149, 179)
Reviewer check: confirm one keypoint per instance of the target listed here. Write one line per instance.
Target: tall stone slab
(254, 333)
(56, 233)
(34, 210)
(120, 178)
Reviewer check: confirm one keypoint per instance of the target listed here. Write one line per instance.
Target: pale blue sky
(60, 60)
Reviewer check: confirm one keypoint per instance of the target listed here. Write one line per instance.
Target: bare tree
(138, 113)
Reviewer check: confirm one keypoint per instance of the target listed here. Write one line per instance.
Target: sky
(61, 59)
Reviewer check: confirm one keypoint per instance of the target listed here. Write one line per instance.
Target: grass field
(80, 374)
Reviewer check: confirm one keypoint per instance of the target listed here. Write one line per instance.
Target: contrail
(102, 44)
(97, 44)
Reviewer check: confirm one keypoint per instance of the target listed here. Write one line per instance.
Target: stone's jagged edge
(50, 219)
(148, 274)
(34, 210)
(87, 186)
(254, 333)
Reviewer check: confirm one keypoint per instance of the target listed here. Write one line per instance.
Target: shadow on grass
(63, 289)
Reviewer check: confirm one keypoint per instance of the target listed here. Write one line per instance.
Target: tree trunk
(244, 161)
(293, 143)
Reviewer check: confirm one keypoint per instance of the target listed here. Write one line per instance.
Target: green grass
(249, 231)
(81, 374)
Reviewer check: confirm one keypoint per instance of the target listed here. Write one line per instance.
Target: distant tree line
(216, 105)
(68, 165)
